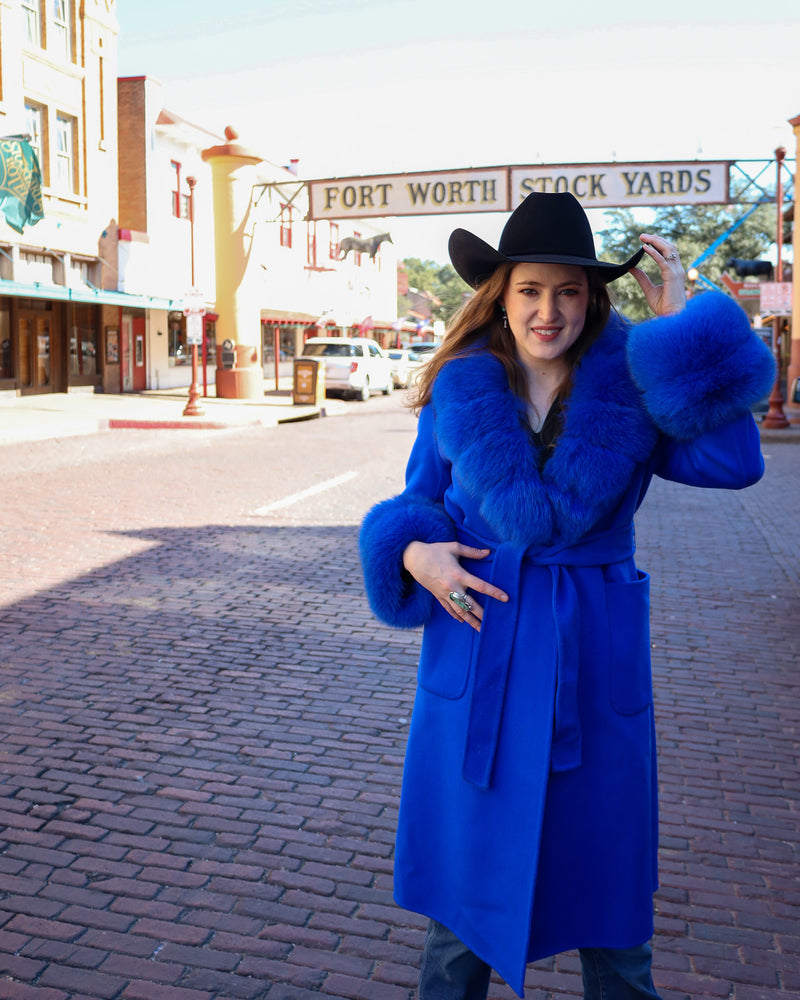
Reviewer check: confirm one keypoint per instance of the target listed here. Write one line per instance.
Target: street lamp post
(193, 317)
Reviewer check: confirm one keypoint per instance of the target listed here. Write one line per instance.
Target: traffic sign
(776, 298)
(194, 328)
(194, 302)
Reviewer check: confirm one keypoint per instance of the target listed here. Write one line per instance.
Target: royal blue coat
(528, 813)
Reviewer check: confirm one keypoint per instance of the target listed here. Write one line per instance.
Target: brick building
(59, 304)
(92, 294)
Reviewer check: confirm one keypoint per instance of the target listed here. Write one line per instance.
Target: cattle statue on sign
(371, 245)
(750, 268)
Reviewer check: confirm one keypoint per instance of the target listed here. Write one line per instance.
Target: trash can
(308, 385)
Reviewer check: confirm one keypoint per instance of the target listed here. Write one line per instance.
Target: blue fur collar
(483, 431)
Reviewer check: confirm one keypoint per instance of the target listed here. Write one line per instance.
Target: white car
(405, 365)
(354, 366)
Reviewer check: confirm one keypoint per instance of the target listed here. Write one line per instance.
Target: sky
(359, 87)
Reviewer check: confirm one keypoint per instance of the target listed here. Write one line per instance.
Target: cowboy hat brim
(474, 260)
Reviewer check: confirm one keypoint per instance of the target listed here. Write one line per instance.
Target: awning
(392, 326)
(99, 296)
(281, 316)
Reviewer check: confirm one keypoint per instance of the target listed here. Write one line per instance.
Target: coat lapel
(483, 431)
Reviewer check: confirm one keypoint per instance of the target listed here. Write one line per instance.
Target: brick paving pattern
(200, 757)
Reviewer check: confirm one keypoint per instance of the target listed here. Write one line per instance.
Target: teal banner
(20, 184)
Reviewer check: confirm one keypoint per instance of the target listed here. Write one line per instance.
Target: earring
(505, 317)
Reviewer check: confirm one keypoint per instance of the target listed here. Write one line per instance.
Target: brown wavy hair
(480, 319)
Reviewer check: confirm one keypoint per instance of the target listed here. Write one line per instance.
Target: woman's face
(546, 306)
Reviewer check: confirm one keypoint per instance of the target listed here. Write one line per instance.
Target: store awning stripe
(61, 293)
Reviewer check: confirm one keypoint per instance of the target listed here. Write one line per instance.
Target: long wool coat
(528, 814)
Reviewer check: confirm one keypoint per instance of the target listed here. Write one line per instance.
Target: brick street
(202, 727)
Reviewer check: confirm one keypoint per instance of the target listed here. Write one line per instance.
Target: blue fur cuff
(394, 596)
(700, 368)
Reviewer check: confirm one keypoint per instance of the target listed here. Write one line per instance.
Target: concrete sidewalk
(55, 415)
(50, 416)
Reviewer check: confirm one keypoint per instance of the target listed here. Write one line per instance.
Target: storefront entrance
(37, 344)
(49, 346)
(34, 353)
(133, 371)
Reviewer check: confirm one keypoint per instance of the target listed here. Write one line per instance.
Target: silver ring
(672, 256)
(460, 600)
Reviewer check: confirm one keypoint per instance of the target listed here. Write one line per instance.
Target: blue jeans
(450, 971)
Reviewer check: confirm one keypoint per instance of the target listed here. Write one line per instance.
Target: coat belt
(498, 635)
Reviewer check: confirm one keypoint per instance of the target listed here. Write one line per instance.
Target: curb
(780, 435)
(65, 424)
(295, 418)
(122, 423)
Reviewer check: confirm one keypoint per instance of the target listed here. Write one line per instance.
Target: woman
(528, 812)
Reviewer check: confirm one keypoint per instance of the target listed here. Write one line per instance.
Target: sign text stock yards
(500, 189)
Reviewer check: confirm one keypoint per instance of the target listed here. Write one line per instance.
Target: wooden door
(35, 354)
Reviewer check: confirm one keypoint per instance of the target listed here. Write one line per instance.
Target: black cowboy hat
(544, 229)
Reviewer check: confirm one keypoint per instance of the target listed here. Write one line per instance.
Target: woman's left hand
(669, 297)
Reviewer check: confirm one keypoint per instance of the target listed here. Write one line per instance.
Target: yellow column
(794, 353)
(239, 373)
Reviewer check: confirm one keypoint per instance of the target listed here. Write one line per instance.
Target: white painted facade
(296, 279)
(302, 279)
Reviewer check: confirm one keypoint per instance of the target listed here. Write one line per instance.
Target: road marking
(328, 484)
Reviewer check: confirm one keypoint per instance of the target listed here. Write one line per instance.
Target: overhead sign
(621, 185)
(435, 193)
(500, 189)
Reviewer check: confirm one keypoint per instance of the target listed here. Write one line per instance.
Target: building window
(311, 252)
(35, 267)
(32, 12)
(333, 247)
(34, 126)
(6, 353)
(65, 158)
(83, 341)
(81, 272)
(101, 86)
(180, 200)
(210, 334)
(178, 350)
(286, 226)
(62, 41)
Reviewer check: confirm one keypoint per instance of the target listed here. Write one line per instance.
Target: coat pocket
(446, 655)
(631, 683)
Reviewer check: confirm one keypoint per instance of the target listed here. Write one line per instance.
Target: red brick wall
(131, 98)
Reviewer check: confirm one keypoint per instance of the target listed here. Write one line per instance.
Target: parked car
(427, 347)
(354, 366)
(405, 365)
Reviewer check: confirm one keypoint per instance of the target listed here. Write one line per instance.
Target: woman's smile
(546, 332)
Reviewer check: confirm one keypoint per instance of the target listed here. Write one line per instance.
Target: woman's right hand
(436, 566)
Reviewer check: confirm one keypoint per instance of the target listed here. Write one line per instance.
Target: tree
(692, 228)
(440, 280)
